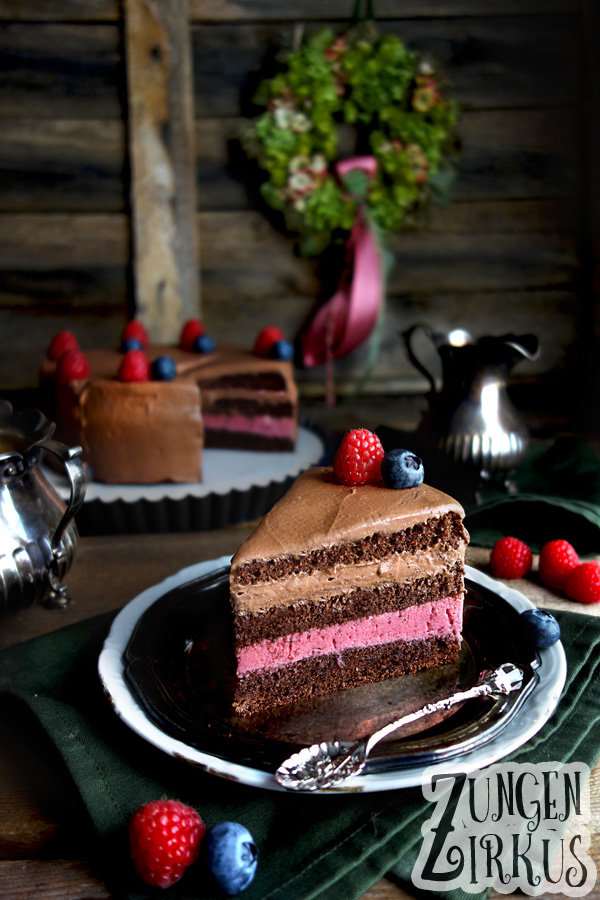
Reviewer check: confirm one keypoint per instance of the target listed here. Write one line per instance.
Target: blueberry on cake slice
(355, 575)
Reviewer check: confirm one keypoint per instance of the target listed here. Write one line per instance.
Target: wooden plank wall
(508, 254)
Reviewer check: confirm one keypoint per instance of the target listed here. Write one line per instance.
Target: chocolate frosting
(318, 512)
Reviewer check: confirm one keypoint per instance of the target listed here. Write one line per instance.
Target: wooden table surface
(42, 851)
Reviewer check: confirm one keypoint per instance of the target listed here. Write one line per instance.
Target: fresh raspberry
(135, 366)
(164, 838)
(60, 343)
(135, 330)
(557, 558)
(71, 366)
(358, 459)
(582, 583)
(192, 329)
(266, 339)
(510, 558)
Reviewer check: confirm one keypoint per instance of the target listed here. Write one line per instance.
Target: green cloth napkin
(557, 496)
(310, 847)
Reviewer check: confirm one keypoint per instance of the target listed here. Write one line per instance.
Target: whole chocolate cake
(143, 413)
(342, 585)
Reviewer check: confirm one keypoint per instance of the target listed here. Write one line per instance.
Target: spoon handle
(503, 680)
(478, 690)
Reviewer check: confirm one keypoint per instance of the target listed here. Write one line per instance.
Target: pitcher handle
(69, 456)
(408, 336)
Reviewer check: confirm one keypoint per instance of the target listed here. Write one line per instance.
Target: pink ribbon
(347, 319)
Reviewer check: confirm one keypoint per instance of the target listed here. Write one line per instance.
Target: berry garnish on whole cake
(265, 340)
(204, 343)
(131, 343)
(136, 331)
(271, 344)
(191, 330)
(281, 350)
(72, 366)
(60, 343)
(163, 368)
(135, 366)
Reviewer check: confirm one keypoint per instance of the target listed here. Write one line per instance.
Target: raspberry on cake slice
(346, 584)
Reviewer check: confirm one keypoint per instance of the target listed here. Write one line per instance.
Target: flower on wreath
(394, 102)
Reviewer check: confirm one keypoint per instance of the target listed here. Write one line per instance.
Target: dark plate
(179, 666)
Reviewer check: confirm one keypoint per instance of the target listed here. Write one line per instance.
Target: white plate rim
(534, 713)
(223, 471)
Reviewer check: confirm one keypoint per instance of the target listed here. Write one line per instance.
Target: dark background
(515, 250)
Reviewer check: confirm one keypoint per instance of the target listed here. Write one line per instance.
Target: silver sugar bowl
(38, 535)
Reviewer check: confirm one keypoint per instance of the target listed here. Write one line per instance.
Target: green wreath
(390, 101)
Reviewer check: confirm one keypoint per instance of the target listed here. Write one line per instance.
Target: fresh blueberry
(231, 856)
(131, 344)
(204, 344)
(281, 350)
(542, 628)
(163, 369)
(402, 469)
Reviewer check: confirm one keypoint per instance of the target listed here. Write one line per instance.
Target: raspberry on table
(510, 558)
(60, 343)
(582, 583)
(135, 330)
(265, 340)
(135, 366)
(164, 839)
(557, 558)
(192, 329)
(358, 458)
(72, 365)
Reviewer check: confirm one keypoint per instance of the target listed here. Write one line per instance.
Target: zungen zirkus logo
(510, 826)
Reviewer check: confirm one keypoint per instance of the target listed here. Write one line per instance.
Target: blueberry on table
(542, 628)
(231, 856)
(402, 469)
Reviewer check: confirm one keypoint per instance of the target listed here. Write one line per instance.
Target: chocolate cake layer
(351, 668)
(247, 407)
(238, 440)
(446, 531)
(260, 381)
(312, 613)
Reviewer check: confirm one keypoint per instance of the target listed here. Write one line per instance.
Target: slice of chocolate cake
(248, 402)
(340, 586)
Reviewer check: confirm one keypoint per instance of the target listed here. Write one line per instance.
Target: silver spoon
(332, 762)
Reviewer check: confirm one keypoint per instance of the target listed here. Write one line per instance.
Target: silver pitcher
(471, 418)
(38, 536)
